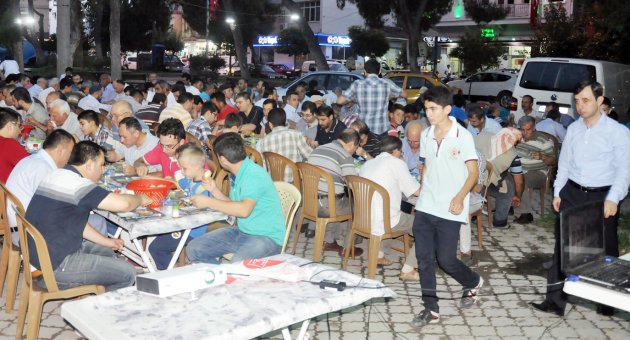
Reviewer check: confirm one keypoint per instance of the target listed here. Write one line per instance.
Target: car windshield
(561, 77)
(266, 68)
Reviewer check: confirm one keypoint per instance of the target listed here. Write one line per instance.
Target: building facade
(515, 32)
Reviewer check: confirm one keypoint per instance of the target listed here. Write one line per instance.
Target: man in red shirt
(218, 99)
(11, 152)
(172, 135)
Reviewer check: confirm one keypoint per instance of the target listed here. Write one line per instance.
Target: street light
(294, 17)
(25, 20)
(230, 20)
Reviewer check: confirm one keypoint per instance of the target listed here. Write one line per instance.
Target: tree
(36, 41)
(413, 16)
(368, 42)
(239, 46)
(558, 36)
(64, 55)
(144, 22)
(476, 52)
(114, 38)
(486, 12)
(291, 42)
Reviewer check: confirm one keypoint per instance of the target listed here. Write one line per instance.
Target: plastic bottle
(253, 140)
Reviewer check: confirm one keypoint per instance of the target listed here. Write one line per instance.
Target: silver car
(328, 80)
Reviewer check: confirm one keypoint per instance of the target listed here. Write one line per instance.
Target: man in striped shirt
(336, 158)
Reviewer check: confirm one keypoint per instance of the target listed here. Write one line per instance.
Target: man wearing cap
(317, 100)
(92, 100)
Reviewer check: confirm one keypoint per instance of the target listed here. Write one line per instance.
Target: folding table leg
(286, 335)
(180, 246)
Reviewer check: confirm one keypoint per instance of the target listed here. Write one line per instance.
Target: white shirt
(553, 128)
(535, 114)
(445, 171)
(89, 102)
(170, 99)
(45, 92)
(491, 126)
(9, 67)
(25, 178)
(72, 126)
(108, 93)
(292, 113)
(330, 98)
(392, 174)
(192, 90)
(34, 91)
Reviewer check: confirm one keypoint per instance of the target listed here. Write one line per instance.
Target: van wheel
(504, 98)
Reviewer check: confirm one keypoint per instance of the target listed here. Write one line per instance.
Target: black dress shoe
(548, 307)
(605, 310)
(524, 219)
(309, 233)
(304, 228)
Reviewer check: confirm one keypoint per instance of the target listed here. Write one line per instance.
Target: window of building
(311, 10)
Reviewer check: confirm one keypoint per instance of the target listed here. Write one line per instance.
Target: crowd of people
(436, 159)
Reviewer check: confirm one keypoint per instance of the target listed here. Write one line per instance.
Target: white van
(555, 79)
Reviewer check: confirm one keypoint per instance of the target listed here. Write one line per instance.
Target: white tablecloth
(240, 310)
(165, 224)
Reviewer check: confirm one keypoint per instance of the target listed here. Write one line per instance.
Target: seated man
(328, 128)
(336, 159)
(233, 123)
(537, 153)
(284, 141)
(191, 160)
(60, 209)
(369, 142)
(151, 111)
(121, 110)
(62, 117)
(552, 126)
(253, 200)
(390, 171)
(135, 144)
(180, 110)
(30, 171)
(201, 126)
(92, 128)
(478, 122)
(36, 115)
(252, 115)
(11, 152)
(171, 136)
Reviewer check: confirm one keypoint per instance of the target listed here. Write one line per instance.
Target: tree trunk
(75, 30)
(411, 20)
(98, 28)
(64, 54)
(239, 46)
(313, 46)
(255, 57)
(39, 52)
(114, 38)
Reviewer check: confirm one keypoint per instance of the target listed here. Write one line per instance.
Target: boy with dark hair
(92, 128)
(449, 173)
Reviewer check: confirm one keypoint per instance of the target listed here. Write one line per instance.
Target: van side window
(561, 77)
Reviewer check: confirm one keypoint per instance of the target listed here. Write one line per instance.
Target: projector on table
(181, 280)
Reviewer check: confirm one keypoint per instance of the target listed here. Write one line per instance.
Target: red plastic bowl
(155, 189)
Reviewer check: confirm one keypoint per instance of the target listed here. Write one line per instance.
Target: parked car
(412, 83)
(554, 80)
(173, 63)
(484, 85)
(228, 71)
(325, 79)
(132, 63)
(285, 70)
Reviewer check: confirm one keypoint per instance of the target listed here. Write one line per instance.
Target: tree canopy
(292, 42)
(368, 42)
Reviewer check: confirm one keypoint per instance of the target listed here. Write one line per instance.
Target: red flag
(533, 13)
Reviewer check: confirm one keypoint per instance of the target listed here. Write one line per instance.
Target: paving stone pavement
(510, 263)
